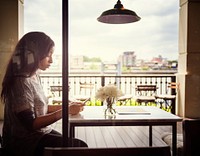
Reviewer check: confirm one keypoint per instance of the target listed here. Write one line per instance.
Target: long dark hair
(29, 51)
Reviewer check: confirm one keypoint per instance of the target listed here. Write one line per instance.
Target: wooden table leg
(150, 135)
(174, 139)
(71, 132)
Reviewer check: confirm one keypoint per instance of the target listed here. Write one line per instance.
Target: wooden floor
(120, 136)
(117, 136)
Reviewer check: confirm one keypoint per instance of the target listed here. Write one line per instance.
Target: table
(127, 116)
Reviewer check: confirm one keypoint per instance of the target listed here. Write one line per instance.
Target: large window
(156, 34)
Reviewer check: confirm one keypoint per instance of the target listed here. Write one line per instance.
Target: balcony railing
(88, 85)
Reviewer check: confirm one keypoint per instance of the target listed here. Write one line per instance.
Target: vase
(110, 110)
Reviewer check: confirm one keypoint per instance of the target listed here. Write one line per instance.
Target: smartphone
(86, 100)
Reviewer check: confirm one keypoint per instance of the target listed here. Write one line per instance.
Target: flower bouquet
(108, 94)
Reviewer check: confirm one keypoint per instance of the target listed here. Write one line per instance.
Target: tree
(93, 59)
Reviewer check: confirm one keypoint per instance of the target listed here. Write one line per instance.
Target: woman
(27, 115)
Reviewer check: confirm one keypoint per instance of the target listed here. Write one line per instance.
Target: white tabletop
(125, 113)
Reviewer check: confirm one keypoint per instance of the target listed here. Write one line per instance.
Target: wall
(189, 58)
(11, 18)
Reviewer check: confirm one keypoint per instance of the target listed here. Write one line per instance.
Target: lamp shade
(118, 15)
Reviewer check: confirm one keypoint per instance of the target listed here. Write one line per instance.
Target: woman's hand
(75, 107)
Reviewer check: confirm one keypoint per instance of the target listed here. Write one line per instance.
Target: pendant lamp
(118, 15)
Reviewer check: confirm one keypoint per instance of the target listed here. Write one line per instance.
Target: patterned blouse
(27, 95)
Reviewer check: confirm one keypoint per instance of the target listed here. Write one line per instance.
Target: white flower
(109, 91)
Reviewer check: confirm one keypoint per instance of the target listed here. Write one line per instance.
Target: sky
(155, 34)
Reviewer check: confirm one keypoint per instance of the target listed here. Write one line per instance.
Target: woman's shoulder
(23, 81)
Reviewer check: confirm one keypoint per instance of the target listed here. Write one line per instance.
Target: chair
(188, 143)
(84, 86)
(56, 91)
(138, 151)
(169, 98)
(167, 138)
(123, 100)
(145, 93)
(84, 89)
(57, 94)
(191, 137)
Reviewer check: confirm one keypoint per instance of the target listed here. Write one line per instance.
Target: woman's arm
(53, 108)
(48, 119)
(74, 107)
(32, 122)
(55, 113)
